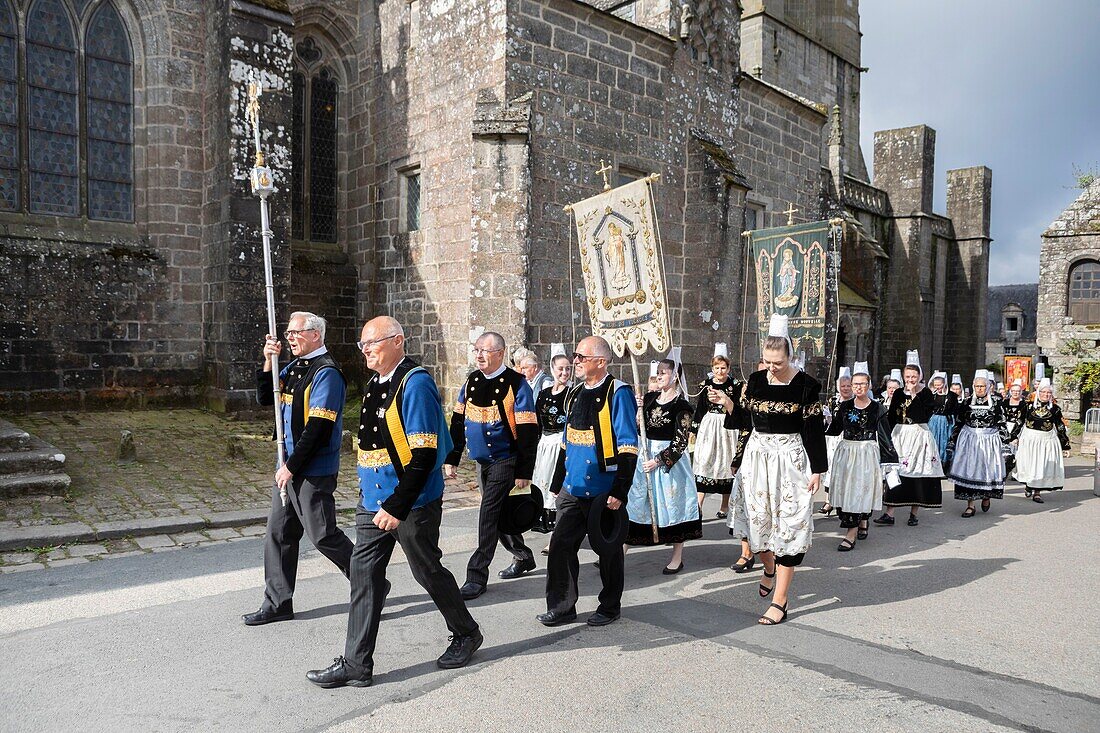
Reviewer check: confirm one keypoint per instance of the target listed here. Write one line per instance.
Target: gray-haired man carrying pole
(313, 389)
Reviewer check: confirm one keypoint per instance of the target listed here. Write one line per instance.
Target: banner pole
(263, 186)
(644, 449)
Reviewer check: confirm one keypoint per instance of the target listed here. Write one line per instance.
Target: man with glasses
(594, 469)
(494, 417)
(402, 437)
(312, 388)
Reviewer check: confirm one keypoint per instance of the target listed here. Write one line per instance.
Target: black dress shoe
(553, 618)
(517, 568)
(470, 591)
(672, 571)
(337, 675)
(461, 649)
(602, 618)
(268, 616)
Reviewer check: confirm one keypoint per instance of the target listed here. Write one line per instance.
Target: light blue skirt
(941, 431)
(673, 491)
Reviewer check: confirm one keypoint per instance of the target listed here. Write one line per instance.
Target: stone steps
(12, 438)
(29, 465)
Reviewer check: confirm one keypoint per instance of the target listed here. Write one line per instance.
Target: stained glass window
(10, 180)
(313, 147)
(109, 87)
(297, 159)
(52, 109)
(52, 114)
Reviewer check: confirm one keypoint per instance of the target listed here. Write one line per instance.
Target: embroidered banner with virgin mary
(623, 273)
(790, 267)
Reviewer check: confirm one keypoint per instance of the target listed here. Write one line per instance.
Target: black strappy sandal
(912, 521)
(744, 567)
(845, 545)
(861, 533)
(985, 505)
(968, 512)
(765, 591)
(765, 621)
(826, 509)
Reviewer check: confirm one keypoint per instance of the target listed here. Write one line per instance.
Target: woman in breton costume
(976, 445)
(550, 410)
(843, 393)
(863, 432)
(893, 384)
(946, 404)
(1043, 444)
(781, 468)
(671, 485)
(957, 386)
(911, 407)
(1013, 410)
(715, 445)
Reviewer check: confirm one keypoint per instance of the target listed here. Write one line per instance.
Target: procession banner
(1017, 367)
(623, 273)
(790, 267)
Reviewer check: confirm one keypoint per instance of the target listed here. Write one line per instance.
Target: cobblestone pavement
(183, 468)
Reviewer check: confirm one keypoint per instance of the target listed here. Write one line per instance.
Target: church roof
(1081, 217)
(1026, 296)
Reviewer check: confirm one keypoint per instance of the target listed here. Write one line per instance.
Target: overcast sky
(1010, 84)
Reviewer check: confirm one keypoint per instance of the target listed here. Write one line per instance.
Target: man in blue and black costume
(494, 418)
(313, 388)
(402, 440)
(596, 468)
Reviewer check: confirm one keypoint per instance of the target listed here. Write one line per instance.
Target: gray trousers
(497, 479)
(312, 511)
(419, 538)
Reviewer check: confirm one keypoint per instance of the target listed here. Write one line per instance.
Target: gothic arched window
(313, 146)
(109, 99)
(1084, 292)
(10, 178)
(45, 116)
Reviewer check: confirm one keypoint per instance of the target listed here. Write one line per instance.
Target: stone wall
(1073, 237)
(779, 149)
(604, 88)
(969, 195)
(814, 52)
(104, 313)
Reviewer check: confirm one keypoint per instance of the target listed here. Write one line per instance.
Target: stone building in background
(1069, 295)
(426, 149)
(1011, 319)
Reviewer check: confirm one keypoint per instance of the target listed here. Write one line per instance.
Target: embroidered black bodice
(908, 409)
(784, 409)
(671, 422)
(550, 410)
(1045, 417)
(864, 424)
(945, 404)
(703, 406)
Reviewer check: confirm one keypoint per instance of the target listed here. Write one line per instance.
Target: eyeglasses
(577, 356)
(364, 345)
(486, 352)
(293, 334)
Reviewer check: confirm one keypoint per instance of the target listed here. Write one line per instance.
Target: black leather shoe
(470, 591)
(602, 618)
(553, 618)
(267, 616)
(517, 568)
(461, 649)
(337, 675)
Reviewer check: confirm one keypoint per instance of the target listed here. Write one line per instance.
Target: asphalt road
(983, 624)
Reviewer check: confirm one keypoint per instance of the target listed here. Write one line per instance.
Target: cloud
(1008, 84)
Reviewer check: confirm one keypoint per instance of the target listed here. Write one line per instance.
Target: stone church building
(424, 151)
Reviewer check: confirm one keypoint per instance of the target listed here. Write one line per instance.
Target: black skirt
(642, 534)
(705, 485)
(924, 492)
